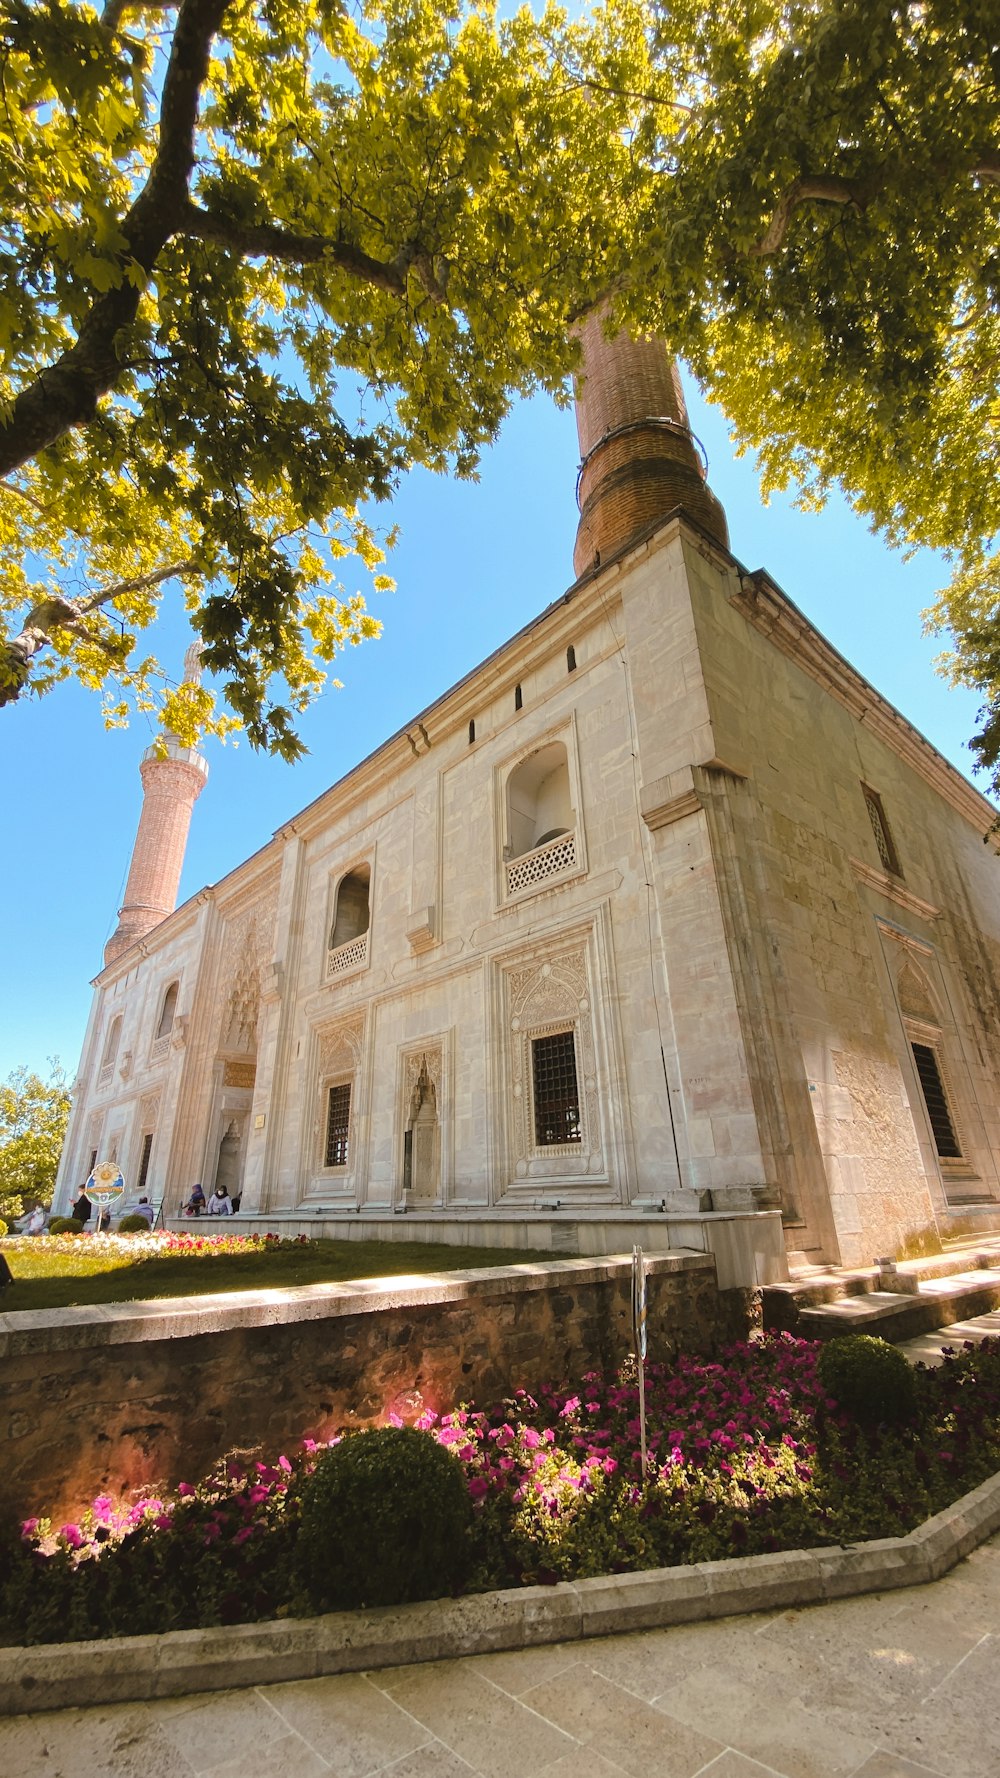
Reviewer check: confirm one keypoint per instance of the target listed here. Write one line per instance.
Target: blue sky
(475, 562)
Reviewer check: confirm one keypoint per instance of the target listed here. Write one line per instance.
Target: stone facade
(664, 867)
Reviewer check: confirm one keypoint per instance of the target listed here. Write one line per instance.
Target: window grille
(557, 1098)
(347, 957)
(544, 861)
(147, 1149)
(932, 1086)
(880, 828)
(338, 1119)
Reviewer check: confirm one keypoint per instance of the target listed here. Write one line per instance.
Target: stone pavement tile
(572, 1764)
(349, 1722)
(897, 1656)
(887, 1765)
(485, 1726)
(792, 1740)
(120, 1741)
(649, 1661)
(288, 1757)
(736, 1765)
(620, 1726)
(218, 1726)
(432, 1760)
(518, 1669)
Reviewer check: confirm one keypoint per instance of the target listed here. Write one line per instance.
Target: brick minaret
(638, 455)
(171, 785)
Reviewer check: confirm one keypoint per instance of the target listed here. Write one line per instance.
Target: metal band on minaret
(639, 460)
(171, 785)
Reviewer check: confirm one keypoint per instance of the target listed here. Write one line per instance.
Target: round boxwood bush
(385, 1518)
(65, 1225)
(868, 1378)
(133, 1225)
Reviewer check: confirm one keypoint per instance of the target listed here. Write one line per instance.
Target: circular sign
(106, 1183)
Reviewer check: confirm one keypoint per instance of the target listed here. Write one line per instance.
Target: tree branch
(66, 393)
(54, 613)
(827, 190)
(268, 240)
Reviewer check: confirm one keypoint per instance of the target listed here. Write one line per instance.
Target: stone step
(903, 1315)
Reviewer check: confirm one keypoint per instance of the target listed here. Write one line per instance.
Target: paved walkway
(894, 1685)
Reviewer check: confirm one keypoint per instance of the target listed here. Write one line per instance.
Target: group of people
(219, 1204)
(82, 1210)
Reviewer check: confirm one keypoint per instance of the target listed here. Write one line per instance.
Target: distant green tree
(33, 1118)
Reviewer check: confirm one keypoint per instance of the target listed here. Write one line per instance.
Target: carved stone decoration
(149, 1111)
(125, 1065)
(247, 953)
(916, 999)
(94, 1128)
(340, 1046)
(542, 999)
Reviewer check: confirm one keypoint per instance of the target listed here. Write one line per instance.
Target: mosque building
(661, 925)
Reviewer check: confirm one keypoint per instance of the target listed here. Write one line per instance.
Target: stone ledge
(112, 1324)
(182, 1662)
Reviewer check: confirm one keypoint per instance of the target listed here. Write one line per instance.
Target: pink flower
(29, 1527)
(241, 1536)
(284, 1465)
(73, 1536)
(104, 1507)
(185, 1490)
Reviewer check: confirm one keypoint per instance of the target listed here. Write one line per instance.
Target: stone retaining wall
(110, 1398)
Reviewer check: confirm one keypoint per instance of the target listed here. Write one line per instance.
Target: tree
(33, 1118)
(823, 245)
(255, 261)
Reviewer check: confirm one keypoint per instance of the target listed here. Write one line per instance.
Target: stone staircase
(898, 1302)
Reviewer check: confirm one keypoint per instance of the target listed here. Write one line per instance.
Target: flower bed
(745, 1455)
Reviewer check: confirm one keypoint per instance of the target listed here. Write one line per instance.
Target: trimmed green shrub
(869, 1379)
(385, 1517)
(65, 1225)
(3, 1229)
(133, 1225)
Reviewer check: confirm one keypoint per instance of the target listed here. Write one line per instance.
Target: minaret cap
(639, 461)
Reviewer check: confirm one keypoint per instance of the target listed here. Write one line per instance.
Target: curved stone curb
(124, 1669)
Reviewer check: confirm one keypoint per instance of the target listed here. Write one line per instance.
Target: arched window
(168, 1010)
(518, 698)
(538, 800)
(571, 659)
(111, 1043)
(352, 915)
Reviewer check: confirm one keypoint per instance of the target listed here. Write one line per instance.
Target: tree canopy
(257, 260)
(824, 248)
(33, 1118)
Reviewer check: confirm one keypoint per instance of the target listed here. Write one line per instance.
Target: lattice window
(545, 861)
(347, 957)
(167, 1012)
(159, 1049)
(147, 1149)
(932, 1086)
(338, 1119)
(555, 1090)
(880, 828)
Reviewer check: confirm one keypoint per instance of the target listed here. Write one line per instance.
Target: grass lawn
(57, 1272)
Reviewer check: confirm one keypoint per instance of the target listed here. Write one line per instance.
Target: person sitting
(34, 1222)
(196, 1202)
(104, 1219)
(220, 1203)
(145, 1209)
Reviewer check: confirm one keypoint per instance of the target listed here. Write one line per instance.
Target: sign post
(639, 1338)
(105, 1186)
